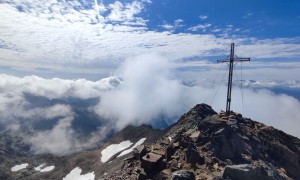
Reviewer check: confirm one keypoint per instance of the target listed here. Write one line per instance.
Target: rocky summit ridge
(202, 144)
(206, 145)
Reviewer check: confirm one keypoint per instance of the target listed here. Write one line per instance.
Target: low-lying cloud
(145, 89)
(148, 91)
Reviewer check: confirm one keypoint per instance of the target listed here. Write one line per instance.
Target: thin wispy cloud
(178, 23)
(202, 27)
(203, 17)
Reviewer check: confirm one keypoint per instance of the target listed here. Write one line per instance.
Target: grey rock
(251, 171)
(169, 152)
(183, 175)
(192, 155)
(151, 162)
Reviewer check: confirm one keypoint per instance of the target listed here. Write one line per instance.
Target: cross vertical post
(231, 60)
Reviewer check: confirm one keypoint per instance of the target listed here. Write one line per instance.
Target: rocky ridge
(207, 145)
(201, 145)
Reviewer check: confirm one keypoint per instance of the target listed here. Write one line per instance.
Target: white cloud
(56, 140)
(178, 21)
(62, 139)
(145, 78)
(20, 113)
(202, 27)
(249, 14)
(124, 12)
(216, 30)
(56, 88)
(168, 26)
(172, 27)
(150, 92)
(70, 36)
(203, 17)
(271, 49)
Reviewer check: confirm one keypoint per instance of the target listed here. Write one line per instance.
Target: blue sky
(91, 39)
(264, 19)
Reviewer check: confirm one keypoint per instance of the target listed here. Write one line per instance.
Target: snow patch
(19, 167)
(38, 168)
(47, 169)
(41, 168)
(113, 149)
(75, 174)
(141, 141)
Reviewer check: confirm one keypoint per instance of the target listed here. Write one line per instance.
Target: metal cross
(231, 60)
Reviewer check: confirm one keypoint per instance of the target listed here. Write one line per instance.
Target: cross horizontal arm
(235, 60)
(242, 59)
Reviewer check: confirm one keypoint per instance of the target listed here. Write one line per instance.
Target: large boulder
(260, 171)
(151, 162)
(192, 155)
(227, 144)
(183, 175)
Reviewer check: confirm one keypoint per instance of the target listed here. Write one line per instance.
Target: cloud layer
(145, 89)
(39, 111)
(61, 36)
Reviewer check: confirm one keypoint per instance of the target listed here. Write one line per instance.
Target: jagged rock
(208, 161)
(251, 171)
(227, 144)
(195, 137)
(142, 175)
(192, 155)
(165, 142)
(139, 152)
(189, 132)
(164, 174)
(183, 143)
(160, 152)
(151, 162)
(173, 165)
(169, 152)
(183, 175)
(176, 145)
(155, 147)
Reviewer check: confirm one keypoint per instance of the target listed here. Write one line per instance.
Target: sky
(147, 61)
(91, 38)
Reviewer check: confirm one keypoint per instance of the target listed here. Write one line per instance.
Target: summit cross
(232, 59)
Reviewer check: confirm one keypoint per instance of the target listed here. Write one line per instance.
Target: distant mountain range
(291, 88)
(270, 83)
